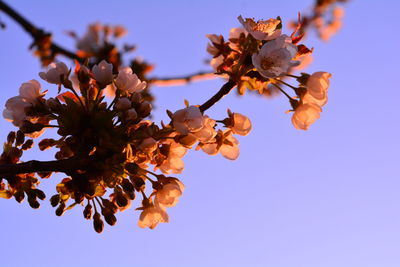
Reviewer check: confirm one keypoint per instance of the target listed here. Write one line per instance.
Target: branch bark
(63, 165)
(225, 89)
(36, 33)
(175, 81)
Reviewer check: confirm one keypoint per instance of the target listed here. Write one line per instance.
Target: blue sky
(327, 197)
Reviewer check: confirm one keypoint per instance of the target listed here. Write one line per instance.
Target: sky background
(327, 197)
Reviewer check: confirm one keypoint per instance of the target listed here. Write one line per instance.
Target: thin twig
(225, 89)
(63, 165)
(175, 81)
(36, 33)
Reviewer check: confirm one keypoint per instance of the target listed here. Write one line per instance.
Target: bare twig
(225, 89)
(63, 165)
(36, 33)
(175, 81)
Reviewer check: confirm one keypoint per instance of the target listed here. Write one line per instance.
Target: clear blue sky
(327, 197)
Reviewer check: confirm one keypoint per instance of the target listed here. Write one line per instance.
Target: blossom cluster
(109, 148)
(113, 145)
(325, 17)
(258, 56)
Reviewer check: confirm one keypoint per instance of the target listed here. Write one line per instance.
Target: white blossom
(148, 145)
(228, 146)
(188, 120)
(128, 81)
(103, 73)
(56, 73)
(305, 115)
(173, 163)
(152, 215)
(170, 192)
(262, 29)
(15, 106)
(241, 124)
(317, 88)
(207, 132)
(275, 57)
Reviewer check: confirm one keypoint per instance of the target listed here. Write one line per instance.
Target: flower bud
(61, 209)
(11, 137)
(98, 223)
(87, 212)
(110, 219)
(27, 145)
(47, 143)
(121, 200)
(19, 196)
(33, 202)
(131, 114)
(123, 103)
(127, 186)
(20, 139)
(145, 109)
(54, 200)
(40, 194)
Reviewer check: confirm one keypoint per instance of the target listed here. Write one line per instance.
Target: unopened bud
(121, 200)
(27, 145)
(11, 137)
(145, 109)
(20, 139)
(60, 210)
(123, 104)
(110, 219)
(33, 202)
(132, 167)
(87, 212)
(98, 223)
(127, 186)
(47, 143)
(40, 194)
(19, 196)
(131, 114)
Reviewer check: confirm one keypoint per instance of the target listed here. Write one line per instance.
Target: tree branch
(225, 89)
(36, 33)
(175, 81)
(63, 165)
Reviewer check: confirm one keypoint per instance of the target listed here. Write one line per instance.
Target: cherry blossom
(128, 81)
(152, 215)
(275, 57)
(305, 115)
(103, 73)
(56, 73)
(262, 29)
(169, 193)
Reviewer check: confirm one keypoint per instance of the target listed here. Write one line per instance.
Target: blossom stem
(36, 33)
(288, 85)
(293, 76)
(225, 89)
(280, 89)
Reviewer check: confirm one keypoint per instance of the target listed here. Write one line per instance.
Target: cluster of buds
(259, 57)
(111, 151)
(19, 185)
(108, 148)
(326, 18)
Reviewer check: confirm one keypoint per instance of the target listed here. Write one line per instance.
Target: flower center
(267, 63)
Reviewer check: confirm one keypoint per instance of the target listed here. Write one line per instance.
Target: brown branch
(175, 81)
(36, 33)
(63, 165)
(225, 89)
